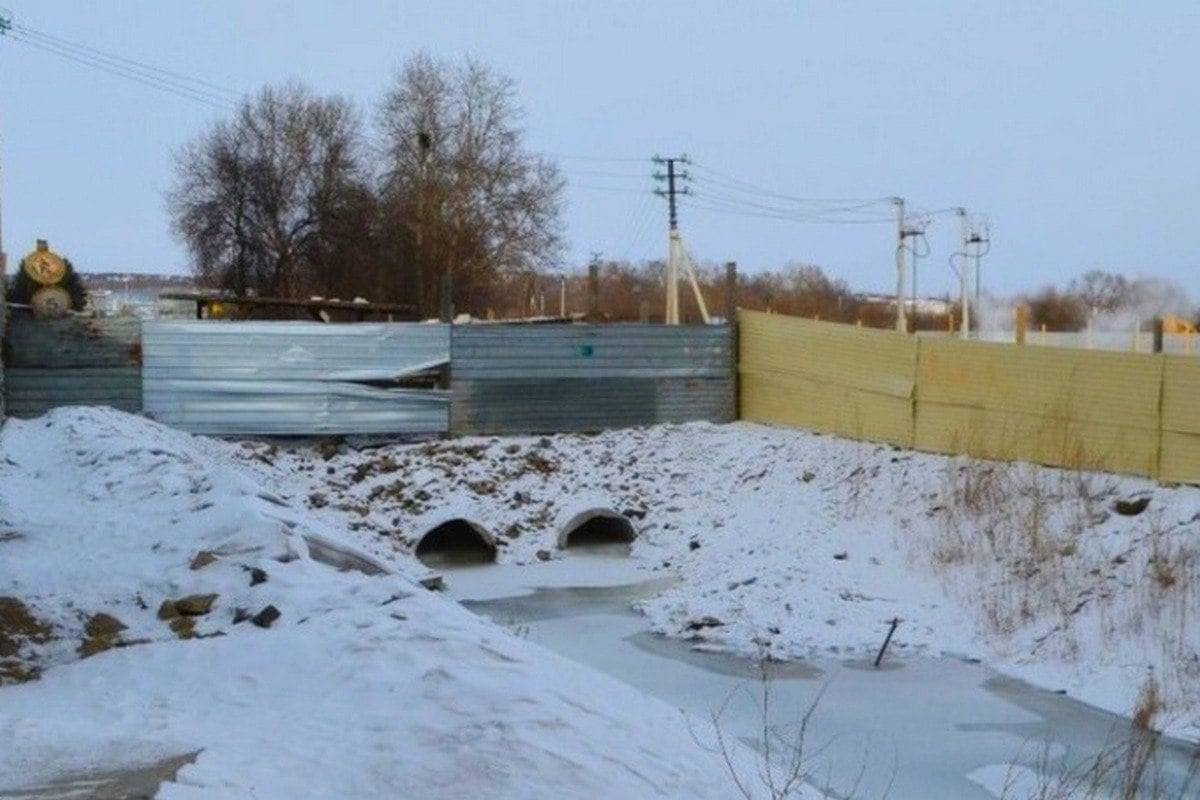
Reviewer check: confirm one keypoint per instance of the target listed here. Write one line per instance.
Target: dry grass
(1131, 765)
(1059, 567)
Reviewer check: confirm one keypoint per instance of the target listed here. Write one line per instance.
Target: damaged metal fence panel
(294, 378)
(541, 379)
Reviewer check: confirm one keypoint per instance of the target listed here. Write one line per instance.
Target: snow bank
(361, 687)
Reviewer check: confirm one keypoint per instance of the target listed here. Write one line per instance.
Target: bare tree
(462, 196)
(262, 200)
(1101, 291)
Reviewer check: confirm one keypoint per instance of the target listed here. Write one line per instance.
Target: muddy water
(914, 730)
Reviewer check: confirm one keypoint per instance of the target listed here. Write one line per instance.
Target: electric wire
(127, 62)
(748, 187)
(163, 84)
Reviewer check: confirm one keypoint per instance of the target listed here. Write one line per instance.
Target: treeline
(1107, 295)
(298, 194)
(629, 292)
(637, 291)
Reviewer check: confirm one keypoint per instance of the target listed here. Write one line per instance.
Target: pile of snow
(362, 686)
(801, 545)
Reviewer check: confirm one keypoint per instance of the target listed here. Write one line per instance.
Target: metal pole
(977, 257)
(730, 292)
(593, 307)
(901, 309)
(562, 295)
(963, 268)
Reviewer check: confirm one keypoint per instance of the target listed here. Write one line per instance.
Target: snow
(804, 546)
(763, 541)
(365, 687)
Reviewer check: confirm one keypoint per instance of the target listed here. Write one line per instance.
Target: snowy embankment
(801, 545)
(168, 597)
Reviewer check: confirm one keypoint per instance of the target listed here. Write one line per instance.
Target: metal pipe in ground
(887, 641)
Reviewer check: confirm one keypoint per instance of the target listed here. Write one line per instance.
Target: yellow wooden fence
(1119, 412)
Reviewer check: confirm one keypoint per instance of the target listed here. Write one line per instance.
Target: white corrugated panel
(293, 378)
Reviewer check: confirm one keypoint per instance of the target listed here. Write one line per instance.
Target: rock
(202, 560)
(95, 644)
(543, 555)
(168, 610)
(266, 617)
(841, 556)
(195, 605)
(103, 625)
(184, 627)
(807, 477)
(704, 622)
(240, 615)
(694, 545)
(14, 671)
(257, 576)
(1131, 508)
(434, 583)
(18, 625)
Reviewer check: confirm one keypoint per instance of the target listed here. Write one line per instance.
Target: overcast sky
(1074, 127)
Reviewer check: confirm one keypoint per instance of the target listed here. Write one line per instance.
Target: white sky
(1072, 126)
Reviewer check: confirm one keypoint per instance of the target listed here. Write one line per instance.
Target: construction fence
(1106, 411)
(285, 378)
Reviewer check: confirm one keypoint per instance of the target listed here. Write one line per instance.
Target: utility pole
(901, 322)
(674, 243)
(963, 270)
(979, 239)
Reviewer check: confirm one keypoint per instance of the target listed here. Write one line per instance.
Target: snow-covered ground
(362, 687)
(798, 544)
(768, 541)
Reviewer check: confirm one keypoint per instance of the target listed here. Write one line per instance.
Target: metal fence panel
(509, 379)
(71, 361)
(293, 378)
(1070, 408)
(1180, 457)
(854, 382)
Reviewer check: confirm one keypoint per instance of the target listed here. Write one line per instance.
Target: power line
(568, 157)
(152, 77)
(128, 62)
(719, 201)
(737, 184)
(704, 202)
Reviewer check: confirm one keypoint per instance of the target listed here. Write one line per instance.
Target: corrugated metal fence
(551, 378)
(295, 378)
(1120, 412)
(71, 361)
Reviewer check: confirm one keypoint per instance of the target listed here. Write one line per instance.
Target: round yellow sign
(50, 301)
(44, 267)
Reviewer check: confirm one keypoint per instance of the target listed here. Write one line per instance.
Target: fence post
(1158, 334)
(447, 314)
(593, 306)
(730, 291)
(1020, 321)
(644, 311)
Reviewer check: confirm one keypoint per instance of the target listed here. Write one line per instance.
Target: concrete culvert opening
(598, 529)
(456, 543)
